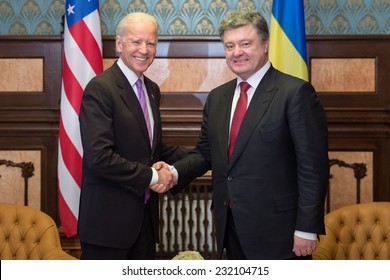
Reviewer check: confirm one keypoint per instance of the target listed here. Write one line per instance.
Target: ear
(118, 44)
(266, 46)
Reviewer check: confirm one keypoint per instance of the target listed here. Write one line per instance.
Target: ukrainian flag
(288, 38)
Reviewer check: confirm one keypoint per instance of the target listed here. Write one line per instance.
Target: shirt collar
(130, 75)
(256, 78)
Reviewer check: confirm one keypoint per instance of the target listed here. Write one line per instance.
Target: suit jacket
(117, 159)
(277, 177)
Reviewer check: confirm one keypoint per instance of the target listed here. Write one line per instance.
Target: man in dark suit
(268, 195)
(118, 216)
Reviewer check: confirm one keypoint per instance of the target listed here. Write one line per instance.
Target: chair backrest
(27, 233)
(359, 231)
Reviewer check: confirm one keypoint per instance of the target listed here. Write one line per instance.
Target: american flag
(81, 62)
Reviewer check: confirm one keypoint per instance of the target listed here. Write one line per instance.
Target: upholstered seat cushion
(28, 234)
(360, 231)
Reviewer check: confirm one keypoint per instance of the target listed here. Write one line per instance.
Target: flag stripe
(88, 46)
(81, 62)
(68, 220)
(75, 59)
(69, 189)
(71, 156)
(290, 20)
(72, 88)
(286, 59)
(95, 29)
(287, 38)
(70, 122)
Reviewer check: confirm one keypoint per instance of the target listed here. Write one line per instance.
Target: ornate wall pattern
(197, 17)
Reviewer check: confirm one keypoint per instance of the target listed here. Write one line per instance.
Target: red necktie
(239, 114)
(142, 101)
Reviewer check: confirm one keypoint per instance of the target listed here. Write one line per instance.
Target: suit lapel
(260, 102)
(130, 99)
(223, 115)
(155, 111)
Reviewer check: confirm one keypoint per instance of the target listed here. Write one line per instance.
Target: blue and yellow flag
(288, 38)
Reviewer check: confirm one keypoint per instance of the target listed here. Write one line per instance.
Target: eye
(229, 47)
(245, 44)
(151, 44)
(135, 43)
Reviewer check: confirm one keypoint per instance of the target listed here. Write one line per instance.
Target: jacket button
(229, 178)
(225, 203)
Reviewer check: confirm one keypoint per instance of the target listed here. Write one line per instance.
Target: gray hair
(243, 17)
(121, 27)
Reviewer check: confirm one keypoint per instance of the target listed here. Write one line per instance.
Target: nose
(143, 48)
(237, 51)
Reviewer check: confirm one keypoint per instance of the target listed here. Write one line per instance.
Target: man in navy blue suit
(268, 195)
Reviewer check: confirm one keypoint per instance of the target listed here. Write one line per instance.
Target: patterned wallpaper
(197, 17)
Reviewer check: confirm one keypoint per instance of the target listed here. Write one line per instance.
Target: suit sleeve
(308, 127)
(197, 161)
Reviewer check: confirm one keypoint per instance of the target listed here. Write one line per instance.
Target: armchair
(29, 234)
(358, 231)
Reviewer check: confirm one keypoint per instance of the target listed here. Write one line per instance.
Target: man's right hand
(161, 164)
(166, 180)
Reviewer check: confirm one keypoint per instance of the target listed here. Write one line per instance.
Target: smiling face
(137, 44)
(245, 50)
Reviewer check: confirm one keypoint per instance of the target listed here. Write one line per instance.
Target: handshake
(166, 178)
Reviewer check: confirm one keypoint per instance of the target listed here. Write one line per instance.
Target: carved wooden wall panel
(351, 179)
(20, 178)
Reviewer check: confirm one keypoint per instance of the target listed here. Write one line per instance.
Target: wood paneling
(343, 75)
(189, 74)
(355, 47)
(21, 75)
(48, 51)
(29, 119)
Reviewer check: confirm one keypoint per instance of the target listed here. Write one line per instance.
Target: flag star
(70, 9)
